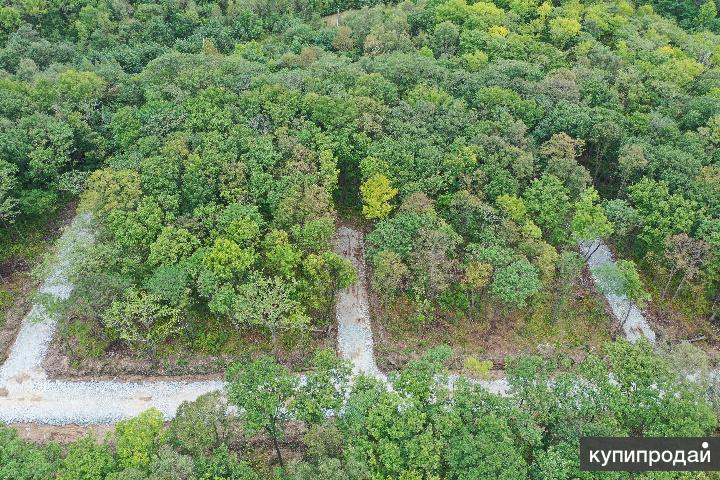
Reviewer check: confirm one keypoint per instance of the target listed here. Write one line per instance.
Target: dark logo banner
(649, 454)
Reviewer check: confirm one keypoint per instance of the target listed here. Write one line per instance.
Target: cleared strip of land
(628, 314)
(27, 395)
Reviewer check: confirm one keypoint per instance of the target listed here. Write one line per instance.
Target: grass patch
(581, 325)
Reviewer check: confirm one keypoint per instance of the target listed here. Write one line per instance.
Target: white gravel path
(636, 324)
(27, 395)
(355, 338)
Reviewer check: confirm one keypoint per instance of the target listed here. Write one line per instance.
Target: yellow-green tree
(377, 193)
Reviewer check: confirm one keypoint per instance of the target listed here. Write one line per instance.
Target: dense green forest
(215, 143)
(329, 429)
(217, 146)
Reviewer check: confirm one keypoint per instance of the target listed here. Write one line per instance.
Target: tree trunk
(621, 188)
(277, 450)
(627, 314)
(677, 290)
(599, 152)
(667, 285)
(597, 170)
(496, 314)
(273, 332)
(559, 302)
(152, 353)
(555, 310)
(713, 307)
(589, 256)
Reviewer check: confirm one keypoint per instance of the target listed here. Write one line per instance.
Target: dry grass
(584, 325)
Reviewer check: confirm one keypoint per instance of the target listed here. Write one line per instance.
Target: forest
(328, 428)
(217, 146)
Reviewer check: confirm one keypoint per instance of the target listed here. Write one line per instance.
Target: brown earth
(41, 433)
(20, 285)
(121, 363)
(585, 326)
(17, 280)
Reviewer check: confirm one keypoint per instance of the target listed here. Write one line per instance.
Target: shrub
(478, 368)
(137, 440)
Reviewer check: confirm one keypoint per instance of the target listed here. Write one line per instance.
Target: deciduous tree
(264, 391)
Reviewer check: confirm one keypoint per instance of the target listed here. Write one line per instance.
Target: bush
(86, 460)
(20, 460)
(223, 464)
(478, 368)
(137, 440)
(170, 465)
(200, 426)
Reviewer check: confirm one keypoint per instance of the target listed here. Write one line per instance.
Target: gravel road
(355, 338)
(27, 395)
(636, 324)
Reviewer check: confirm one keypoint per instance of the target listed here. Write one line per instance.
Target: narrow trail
(28, 395)
(355, 338)
(636, 325)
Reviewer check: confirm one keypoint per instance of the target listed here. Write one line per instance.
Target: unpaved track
(27, 395)
(636, 325)
(355, 338)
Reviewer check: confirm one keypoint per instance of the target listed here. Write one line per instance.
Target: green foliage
(324, 389)
(478, 368)
(23, 461)
(264, 391)
(170, 465)
(86, 460)
(652, 394)
(142, 320)
(199, 133)
(418, 429)
(661, 212)
(589, 221)
(139, 439)
(201, 426)
(211, 141)
(515, 283)
(486, 451)
(268, 303)
(622, 278)
(223, 464)
(548, 202)
(377, 192)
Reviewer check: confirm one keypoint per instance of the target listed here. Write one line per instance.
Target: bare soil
(17, 282)
(19, 286)
(675, 327)
(121, 363)
(64, 434)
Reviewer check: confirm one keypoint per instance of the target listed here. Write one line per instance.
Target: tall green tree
(264, 392)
